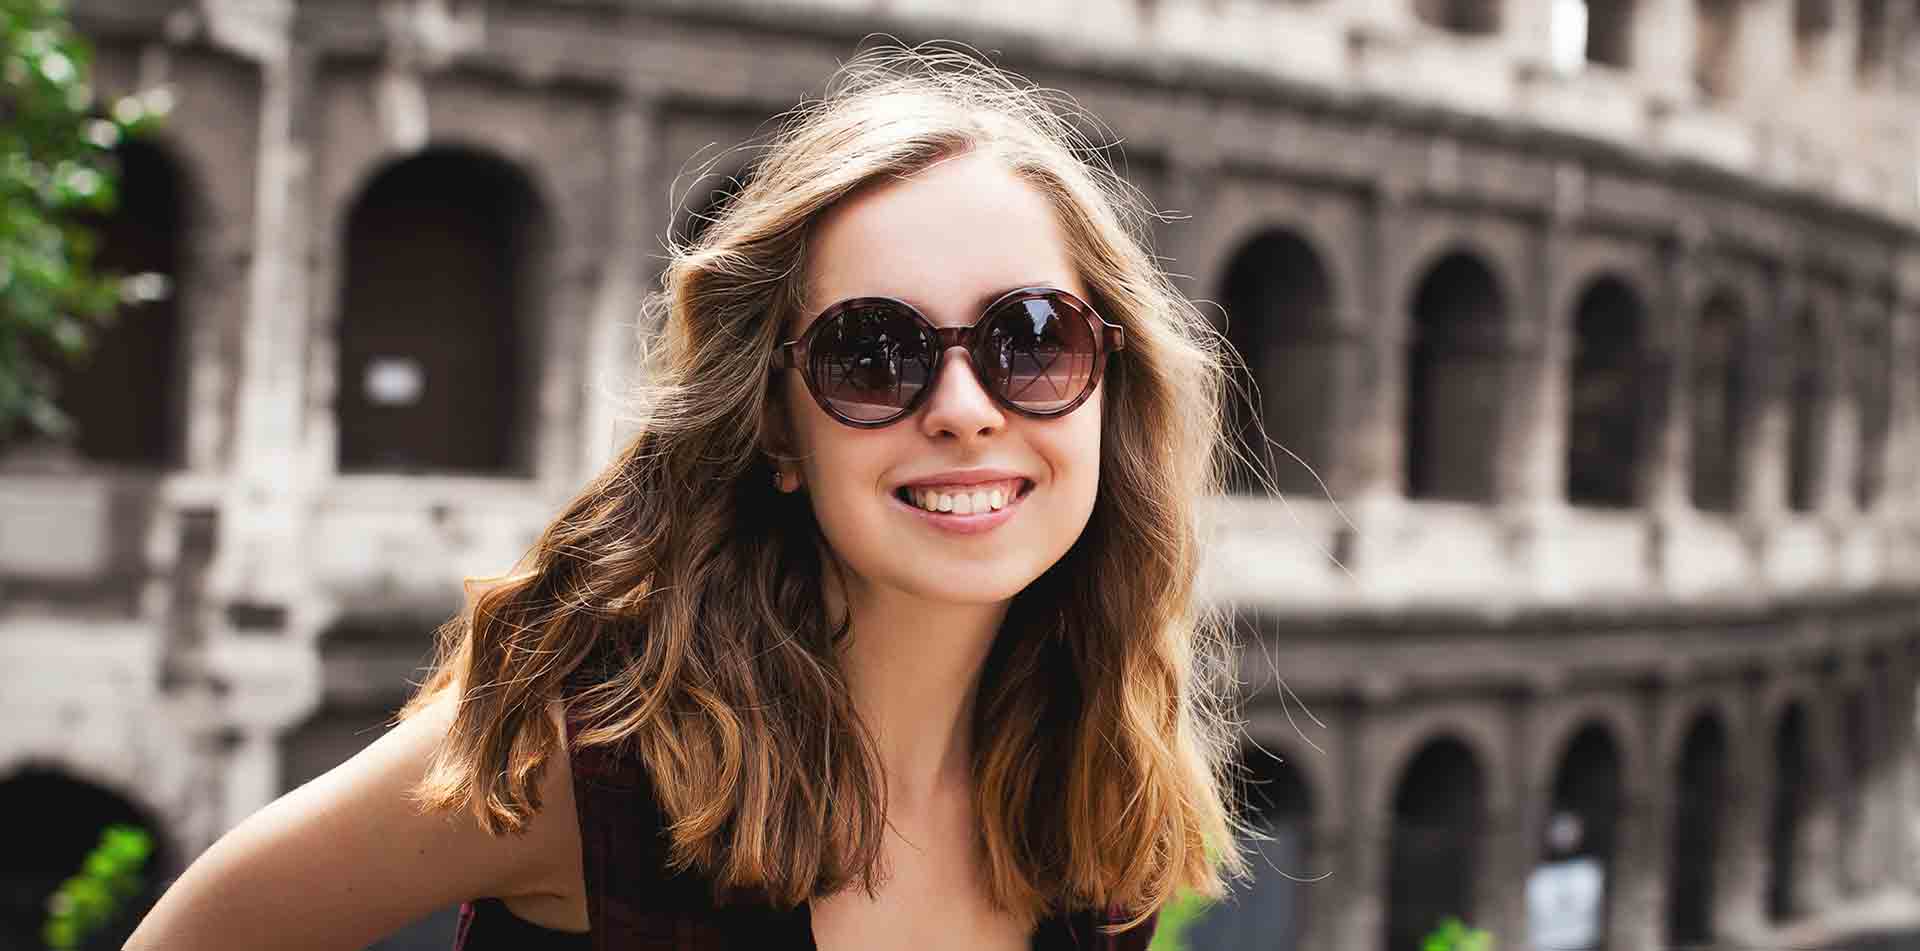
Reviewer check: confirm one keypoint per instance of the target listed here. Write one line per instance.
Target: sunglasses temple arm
(786, 356)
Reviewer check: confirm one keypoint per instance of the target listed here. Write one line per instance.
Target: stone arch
(1436, 840)
(1610, 32)
(1282, 318)
(1457, 351)
(68, 814)
(1793, 764)
(1608, 403)
(439, 373)
(1469, 17)
(1585, 809)
(1270, 911)
(1719, 384)
(1272, 736)
(127, 398)
(1560, 726)
(1703, 775)
(1715, 46)
(1809, 396)
(1481, 729)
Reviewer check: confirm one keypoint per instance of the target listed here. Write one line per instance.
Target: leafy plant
(57, 170)
(107, 879)
(1454, 935)
(1170, 930)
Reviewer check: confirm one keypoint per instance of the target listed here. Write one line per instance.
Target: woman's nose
(958, 406)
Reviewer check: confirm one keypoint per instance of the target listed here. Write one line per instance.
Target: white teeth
(962, 502)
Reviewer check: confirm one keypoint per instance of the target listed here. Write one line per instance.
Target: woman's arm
(346, 859)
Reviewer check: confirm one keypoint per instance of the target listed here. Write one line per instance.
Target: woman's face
(947, 240)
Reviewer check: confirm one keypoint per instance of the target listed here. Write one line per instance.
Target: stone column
(1531, 474)
(1840, 452)
(261, 609)
(1903, 851)
(1638, 878)
(1353, 914)
(1902, 489)
(1771, 353)
(1509, 848)
(262, 521)
(1670, 447)
(1322, 899)
(1375, 453)
(1741, 868)
(610, 357)
(251, 775)
(1819, 856)
(1764, 69)
(1663, 40)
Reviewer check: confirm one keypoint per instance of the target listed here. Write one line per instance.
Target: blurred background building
(1598, 319)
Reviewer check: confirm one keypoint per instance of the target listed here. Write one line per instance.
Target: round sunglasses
(871, 361)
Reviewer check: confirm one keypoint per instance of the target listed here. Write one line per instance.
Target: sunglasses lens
(870, 361)
(1039, 352)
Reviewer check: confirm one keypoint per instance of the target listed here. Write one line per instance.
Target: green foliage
(1170, 931)
(1454, 935)
(56, 170)
(107, 879)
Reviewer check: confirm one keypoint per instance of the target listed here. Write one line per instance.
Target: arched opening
(440, 317)
(1577, 844)
(1716, 32)
(66, 820)
(1607, 403)
(1469, 17)
(1439, 813)
(1280, 318)
(1702, 782)
(1269, 912)
(1610, 32)
(125, 395)
(1873, 402)
(1793, 765)
(1807, 413)
(1456, 382)
(1718, 394)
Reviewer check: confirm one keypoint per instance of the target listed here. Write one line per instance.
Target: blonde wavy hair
(676, 605)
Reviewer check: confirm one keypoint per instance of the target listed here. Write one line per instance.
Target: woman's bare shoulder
(350, 858)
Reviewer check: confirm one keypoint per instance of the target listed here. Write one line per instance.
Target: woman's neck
(913, 669)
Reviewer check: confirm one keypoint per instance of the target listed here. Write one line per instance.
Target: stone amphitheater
(1589, 331)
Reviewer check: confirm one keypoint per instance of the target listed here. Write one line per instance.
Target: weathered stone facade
(1606, 352)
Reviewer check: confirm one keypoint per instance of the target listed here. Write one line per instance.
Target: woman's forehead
(948, 240)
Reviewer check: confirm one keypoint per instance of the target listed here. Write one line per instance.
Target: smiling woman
(884, 629)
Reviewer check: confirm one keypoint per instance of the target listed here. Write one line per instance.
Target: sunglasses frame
(792, 355)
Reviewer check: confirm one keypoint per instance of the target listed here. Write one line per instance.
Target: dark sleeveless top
(635, 904)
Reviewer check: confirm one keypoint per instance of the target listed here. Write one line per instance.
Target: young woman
(882, 632)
